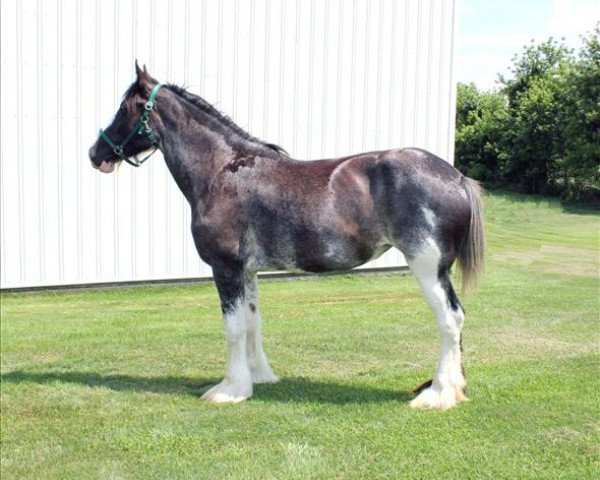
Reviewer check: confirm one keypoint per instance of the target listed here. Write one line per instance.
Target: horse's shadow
(289, 389)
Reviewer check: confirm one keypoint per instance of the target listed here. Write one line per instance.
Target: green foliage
(581, 163)
(540, 132)
(481, 117)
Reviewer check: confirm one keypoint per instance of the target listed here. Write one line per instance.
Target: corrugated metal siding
(321, 78)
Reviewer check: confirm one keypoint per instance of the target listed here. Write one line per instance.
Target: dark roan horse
(255, 208)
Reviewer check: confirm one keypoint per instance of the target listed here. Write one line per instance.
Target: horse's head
(128, 135)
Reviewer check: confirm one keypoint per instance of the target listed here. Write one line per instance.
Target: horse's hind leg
(447, 387)
(257, 360)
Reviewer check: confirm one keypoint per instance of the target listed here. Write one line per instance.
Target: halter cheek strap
(140, 127)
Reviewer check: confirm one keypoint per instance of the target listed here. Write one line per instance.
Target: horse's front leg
(237, 384)
(257, 360)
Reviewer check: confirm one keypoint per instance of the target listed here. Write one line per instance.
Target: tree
(536, 111)
(480, 120)
(581, 163)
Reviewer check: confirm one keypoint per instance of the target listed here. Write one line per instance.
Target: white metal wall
(322, 78)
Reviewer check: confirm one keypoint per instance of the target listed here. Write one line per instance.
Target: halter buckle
(119, 151)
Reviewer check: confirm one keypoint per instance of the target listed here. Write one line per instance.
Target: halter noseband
(140, 127)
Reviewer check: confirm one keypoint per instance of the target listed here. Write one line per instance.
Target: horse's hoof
(437, 398)
(227, 392)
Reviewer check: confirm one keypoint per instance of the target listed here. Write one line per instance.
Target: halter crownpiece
(140, 127)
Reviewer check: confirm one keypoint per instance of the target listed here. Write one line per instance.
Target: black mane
(222, 119)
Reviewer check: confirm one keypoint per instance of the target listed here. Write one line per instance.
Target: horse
(255, 208)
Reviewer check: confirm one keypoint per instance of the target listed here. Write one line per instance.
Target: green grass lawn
(106, 383)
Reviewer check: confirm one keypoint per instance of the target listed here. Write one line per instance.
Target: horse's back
(395, 179)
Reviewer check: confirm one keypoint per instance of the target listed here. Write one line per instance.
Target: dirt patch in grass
(573, 261)
(582, 262)
(516, 342)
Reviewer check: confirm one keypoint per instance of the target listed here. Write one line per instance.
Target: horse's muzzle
(105, 167)
(102, 165)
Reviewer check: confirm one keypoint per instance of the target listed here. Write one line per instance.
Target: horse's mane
(222, 119)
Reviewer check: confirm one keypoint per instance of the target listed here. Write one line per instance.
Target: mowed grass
(106, 383)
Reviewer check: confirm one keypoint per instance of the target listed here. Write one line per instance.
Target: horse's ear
(138, 71)
(144, 79)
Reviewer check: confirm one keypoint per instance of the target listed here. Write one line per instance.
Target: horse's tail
(470, 258)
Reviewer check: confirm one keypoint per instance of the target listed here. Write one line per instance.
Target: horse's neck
(193, 153)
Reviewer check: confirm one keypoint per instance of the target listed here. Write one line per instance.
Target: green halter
(140, 127)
